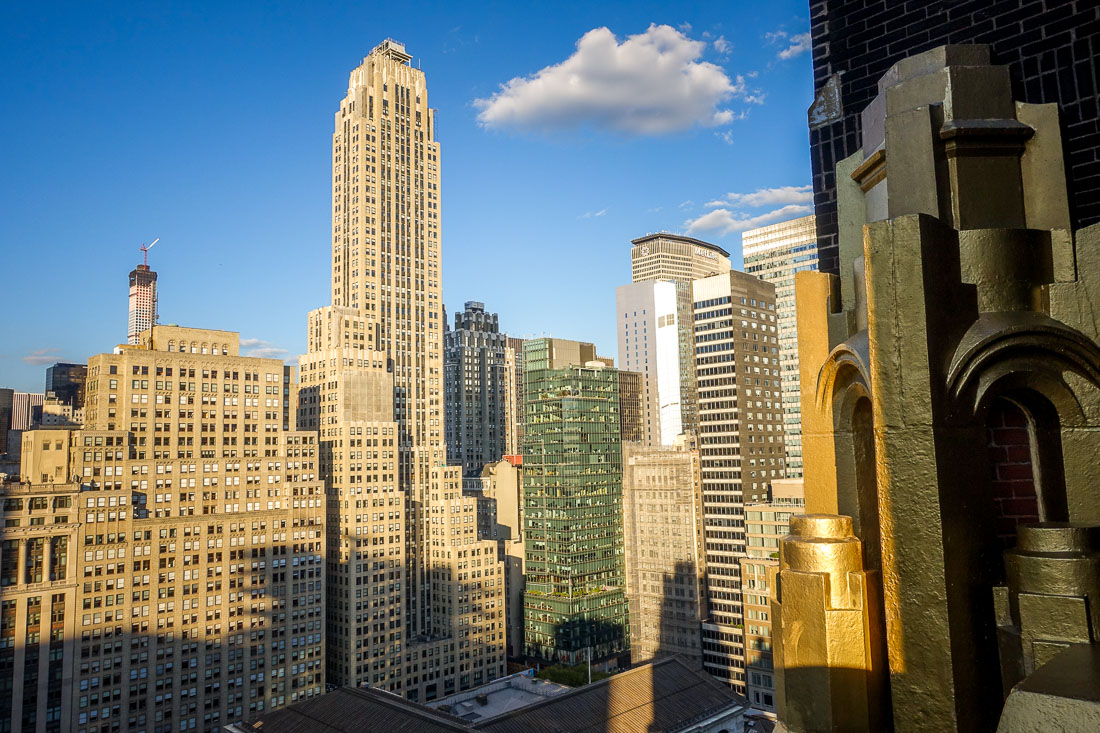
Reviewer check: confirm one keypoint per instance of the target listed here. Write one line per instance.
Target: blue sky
(209, 126)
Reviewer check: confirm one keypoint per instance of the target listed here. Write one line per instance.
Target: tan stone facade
(40, 601)
(195, 552)
(502, 493)
(417, 600)
(663, 521)
(765, 524)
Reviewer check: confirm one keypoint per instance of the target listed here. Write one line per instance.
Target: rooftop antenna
(145, 251)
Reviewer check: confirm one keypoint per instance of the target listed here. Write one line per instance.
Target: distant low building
(66, 382)
(26, 414)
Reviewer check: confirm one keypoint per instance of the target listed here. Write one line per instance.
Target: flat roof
(500, 697)
(680, 238)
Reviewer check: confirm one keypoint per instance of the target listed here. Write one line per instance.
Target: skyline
(236, 192)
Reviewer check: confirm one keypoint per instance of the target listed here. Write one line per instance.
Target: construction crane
(144, 249)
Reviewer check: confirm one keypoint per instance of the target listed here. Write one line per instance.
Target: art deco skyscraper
(402, 544)
(665, 256)
(479, 395)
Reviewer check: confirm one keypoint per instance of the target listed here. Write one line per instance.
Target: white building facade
(648, 327)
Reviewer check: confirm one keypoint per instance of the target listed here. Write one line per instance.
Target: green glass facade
(573, 518)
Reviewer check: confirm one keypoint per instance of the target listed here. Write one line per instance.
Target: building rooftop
(680, 238)
(499, 697)
(667, 695)
(349, 709)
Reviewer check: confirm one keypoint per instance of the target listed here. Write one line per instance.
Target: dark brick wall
(1011, 476)
(1051, 46)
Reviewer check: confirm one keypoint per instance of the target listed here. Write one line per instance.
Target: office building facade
(575, 601)
(631, 406)
(775, 253)
(66, 382)
(663, 521)
(175, 543)
(765, 524)
(7, 404)
(26, 413)
(665, 256)
(649, 332)
(516, 345)
(740, 443)
(479, 390)
(500, 519)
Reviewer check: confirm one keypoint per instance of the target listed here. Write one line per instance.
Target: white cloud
(725, 136)
(687, 204)
(41, 357)
(261, 349)
(724, 221)
(650, 84)
(722, 46)
(685, 27)
(768, 197)
(593, 214)
(775, 36)
(799, 44)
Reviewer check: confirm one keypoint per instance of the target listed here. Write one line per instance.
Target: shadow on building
(680, 632)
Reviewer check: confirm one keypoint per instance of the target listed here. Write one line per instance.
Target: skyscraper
(775, 253)
(478, 374)
(575, 599)
(143, 301)
(649, 344)
(416, 598)
(665, 256)
(740, 443)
